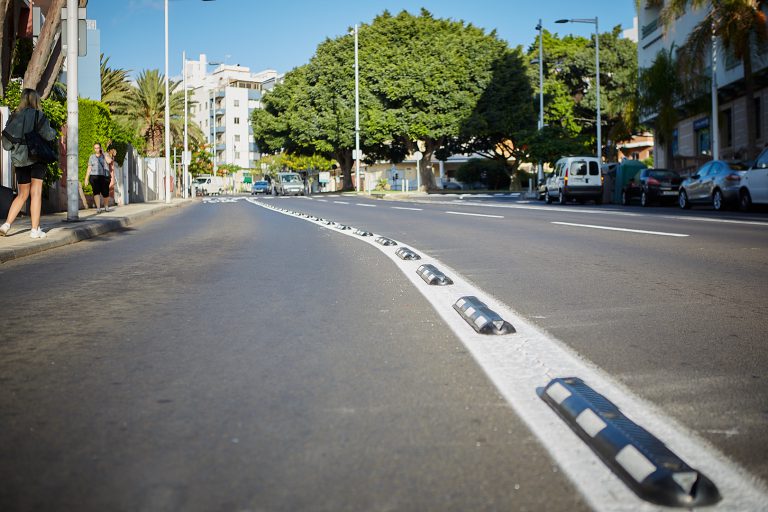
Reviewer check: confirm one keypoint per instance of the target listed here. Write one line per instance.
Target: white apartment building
(692, 141)
(221, 105)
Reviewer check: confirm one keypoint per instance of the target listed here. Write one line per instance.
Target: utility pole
(357, 114)
(73, 173)
(540, 174)
(185, 163)
(167, 117)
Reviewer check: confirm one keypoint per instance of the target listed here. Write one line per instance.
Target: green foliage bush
(492, 173)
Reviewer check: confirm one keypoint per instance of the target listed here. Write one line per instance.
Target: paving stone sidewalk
(18, 243)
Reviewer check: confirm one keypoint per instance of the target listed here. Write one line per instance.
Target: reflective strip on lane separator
(609, 228)
(518, 364)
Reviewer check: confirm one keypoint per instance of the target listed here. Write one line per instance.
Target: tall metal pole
(715, 130)
(357, 114)
(185, 163)
(167, 117)
(597, 75)
(73, 173)
(213, 132)
(541, 92)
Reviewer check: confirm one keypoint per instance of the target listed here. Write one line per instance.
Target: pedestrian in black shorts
(98, 176)
(29, 173)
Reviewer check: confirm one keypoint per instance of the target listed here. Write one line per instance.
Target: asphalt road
(225, 357)
(677, 312)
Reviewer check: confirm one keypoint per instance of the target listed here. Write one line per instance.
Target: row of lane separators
(519, 364)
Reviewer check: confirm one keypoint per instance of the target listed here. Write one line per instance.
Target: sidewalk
(18, 244)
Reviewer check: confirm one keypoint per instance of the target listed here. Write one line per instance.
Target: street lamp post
(167, 117)
(540, 174)
(357, 113)
(597, 76)
(184, 162)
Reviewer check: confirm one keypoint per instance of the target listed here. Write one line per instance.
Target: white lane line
(609, 228)
(366, 205)
(323, 200)
(476, 215)
(341, 202)
(721, 221)
(520, 363)
(405, 208)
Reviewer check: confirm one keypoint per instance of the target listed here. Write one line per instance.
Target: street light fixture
(597, 74)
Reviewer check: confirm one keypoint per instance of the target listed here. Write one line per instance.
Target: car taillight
(733, 177)
(566, 176)
(653, 181)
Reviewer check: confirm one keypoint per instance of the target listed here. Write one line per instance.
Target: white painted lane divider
(520, 363)
(323, 200)
(609, 228)
(406, 208)
(367, 205)
(341, 202)
(476, 215)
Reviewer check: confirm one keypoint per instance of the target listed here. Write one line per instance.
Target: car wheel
(643, 199)
(717, 201)
(547, 197)
(561, 197)
(745, 201)
(682, 200)
(624, 198)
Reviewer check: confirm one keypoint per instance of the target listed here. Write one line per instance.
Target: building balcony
(219, 94)
(649, 29)
(220, 129)
(220, 146)
(221, 111)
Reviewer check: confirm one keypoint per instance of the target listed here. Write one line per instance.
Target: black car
(652, 186)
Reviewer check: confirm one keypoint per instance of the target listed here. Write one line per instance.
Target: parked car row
(719, 183)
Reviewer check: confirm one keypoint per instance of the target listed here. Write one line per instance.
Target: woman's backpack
(38, 149)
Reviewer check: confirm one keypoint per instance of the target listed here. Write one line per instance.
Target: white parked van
(288, 183)
(209, 185)
(575, 177)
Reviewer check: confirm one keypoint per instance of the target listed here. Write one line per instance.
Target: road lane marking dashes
(366, 205)
(476, 215)
(406, 208)
(341, 202)
(626, 230)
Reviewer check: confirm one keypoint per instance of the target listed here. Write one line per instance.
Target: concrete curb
(83, 231)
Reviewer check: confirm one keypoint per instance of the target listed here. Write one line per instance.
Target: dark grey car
(716, 183)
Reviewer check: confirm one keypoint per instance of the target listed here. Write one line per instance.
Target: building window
(237, 120)
(237, 155)
(237, 103)
(758, 119)
(726, 127)
(703, 146)
(237, 138)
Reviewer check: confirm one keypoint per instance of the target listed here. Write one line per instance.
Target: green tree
(660, 93)
(740, 25)
(115, 86)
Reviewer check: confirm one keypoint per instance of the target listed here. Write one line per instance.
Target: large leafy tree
(739, 24)
(660, 93)
(429, 77)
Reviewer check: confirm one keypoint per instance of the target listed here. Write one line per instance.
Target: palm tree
(738, 24)
(143, 109)
(660, 92)
(114, 85)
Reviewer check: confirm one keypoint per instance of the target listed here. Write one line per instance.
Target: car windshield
(260, 183)
(291, 178)
(661, 174)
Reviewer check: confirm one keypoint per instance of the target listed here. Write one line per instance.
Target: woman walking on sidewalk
(98, 176)
(29, 174)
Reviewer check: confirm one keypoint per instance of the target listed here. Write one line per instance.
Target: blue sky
(283, 34)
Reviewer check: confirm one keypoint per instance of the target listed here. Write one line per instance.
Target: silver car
(716, 183)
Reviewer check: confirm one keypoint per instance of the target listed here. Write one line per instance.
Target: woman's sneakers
(37, 233)
(4, 229)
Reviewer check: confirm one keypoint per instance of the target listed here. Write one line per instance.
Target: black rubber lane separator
(385, 241)
(362, 232)
(432, 276)
(482, 319)
(405, 253)
(342, 227)
(639, 458)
